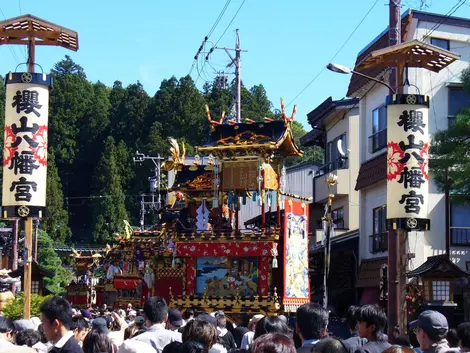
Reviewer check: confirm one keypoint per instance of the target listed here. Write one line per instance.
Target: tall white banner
(407, 162)
(25, 144)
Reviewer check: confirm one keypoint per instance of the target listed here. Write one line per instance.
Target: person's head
(80, 328)
(23, 324)
(172, 347)
(192, 347)
(139, 321)
(27, 337)
(201, 331)
(56, 318)
(430, 327)
(399, 349)
(175, 319)
(7, 328)
(100, 325)
(273, 343)
(221, 321)
(188, 314)
(351, 317)
(329, 345)
(96, 341)
(132, 314)
(402, 341)
(371, 322)
(463, 334)
(243, 320)
(270, 324)
(254, 321)
(452, 338)
(42, 334)
(312, 321)
(156, 310)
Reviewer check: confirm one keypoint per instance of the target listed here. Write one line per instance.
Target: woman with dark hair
(203, 332)
(273, 343)
(399, 349)
(97, 342)
(192, 347)
(271, 324)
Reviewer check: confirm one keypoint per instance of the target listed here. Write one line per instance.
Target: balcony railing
(338, 163)
(378, 141)
(378, 243)
(460, 236)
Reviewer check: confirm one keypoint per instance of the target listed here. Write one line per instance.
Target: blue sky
(288, 42)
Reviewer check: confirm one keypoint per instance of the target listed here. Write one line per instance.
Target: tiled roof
(439, 266)
(372, 171)
(369, 272)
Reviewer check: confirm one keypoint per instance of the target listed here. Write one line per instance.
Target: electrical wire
(230, 23)
(13, 53)
(453, 9)
(335, 55)
(222, 12)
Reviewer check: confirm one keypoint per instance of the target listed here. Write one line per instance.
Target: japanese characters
(407, 159)
(25, 143)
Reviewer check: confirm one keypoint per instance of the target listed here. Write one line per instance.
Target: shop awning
(369, 272)
(439, 266)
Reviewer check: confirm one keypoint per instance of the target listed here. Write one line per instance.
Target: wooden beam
(18, 33)
(42, 42)
(28, 242)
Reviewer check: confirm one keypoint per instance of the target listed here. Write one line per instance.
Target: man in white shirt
(56, 318)
(156, 314)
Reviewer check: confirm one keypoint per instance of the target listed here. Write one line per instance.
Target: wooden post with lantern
(26, 130)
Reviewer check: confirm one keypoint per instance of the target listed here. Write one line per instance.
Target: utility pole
(396, 253)
(238, 79)
(155, 184)
(236, 62)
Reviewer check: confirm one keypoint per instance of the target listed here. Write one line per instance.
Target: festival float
(199, 256)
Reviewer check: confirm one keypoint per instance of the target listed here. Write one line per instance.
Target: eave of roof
(439, 266)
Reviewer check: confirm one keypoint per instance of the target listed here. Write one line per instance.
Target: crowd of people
(158, 329)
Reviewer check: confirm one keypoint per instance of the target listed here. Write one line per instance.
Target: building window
(379, 238)
(460, 224)
(35, 287)
(338, 217)
(378, 140)
(458, 99)
(441, 43)
(334, 160)
(440, 290)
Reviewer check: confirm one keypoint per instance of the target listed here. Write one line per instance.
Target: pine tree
(56, 221)
(109, 210)
(450, 158)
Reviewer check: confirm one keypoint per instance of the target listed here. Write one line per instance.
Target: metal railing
(378, 141)
(338, 163)
(378, 242)
(460, 236)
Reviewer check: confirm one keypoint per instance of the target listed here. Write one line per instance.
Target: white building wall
(422, 244)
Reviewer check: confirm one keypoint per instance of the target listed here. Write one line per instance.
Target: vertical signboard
(407, 162)
(25, 144)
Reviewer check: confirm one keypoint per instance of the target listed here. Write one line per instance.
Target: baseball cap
(255, 319)
(209, 318)
(431, 322)
(100, 325)
(132, 313)
(140, 320)
(86, 313)
(219, 313)
(23, 324)
(174, 317)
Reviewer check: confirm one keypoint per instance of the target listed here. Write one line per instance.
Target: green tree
(56, 221)
(48, 258)
(109, 210)
(14, 310)
(450, 159)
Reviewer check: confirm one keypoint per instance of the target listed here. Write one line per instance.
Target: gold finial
(331, 180)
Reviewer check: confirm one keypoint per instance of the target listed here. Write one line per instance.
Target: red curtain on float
(162, 287)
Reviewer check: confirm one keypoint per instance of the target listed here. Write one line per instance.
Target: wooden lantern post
(27, 92)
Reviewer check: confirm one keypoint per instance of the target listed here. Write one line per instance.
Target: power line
(230, 23)
(336, 54)
(454, 8)
(222, 12)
